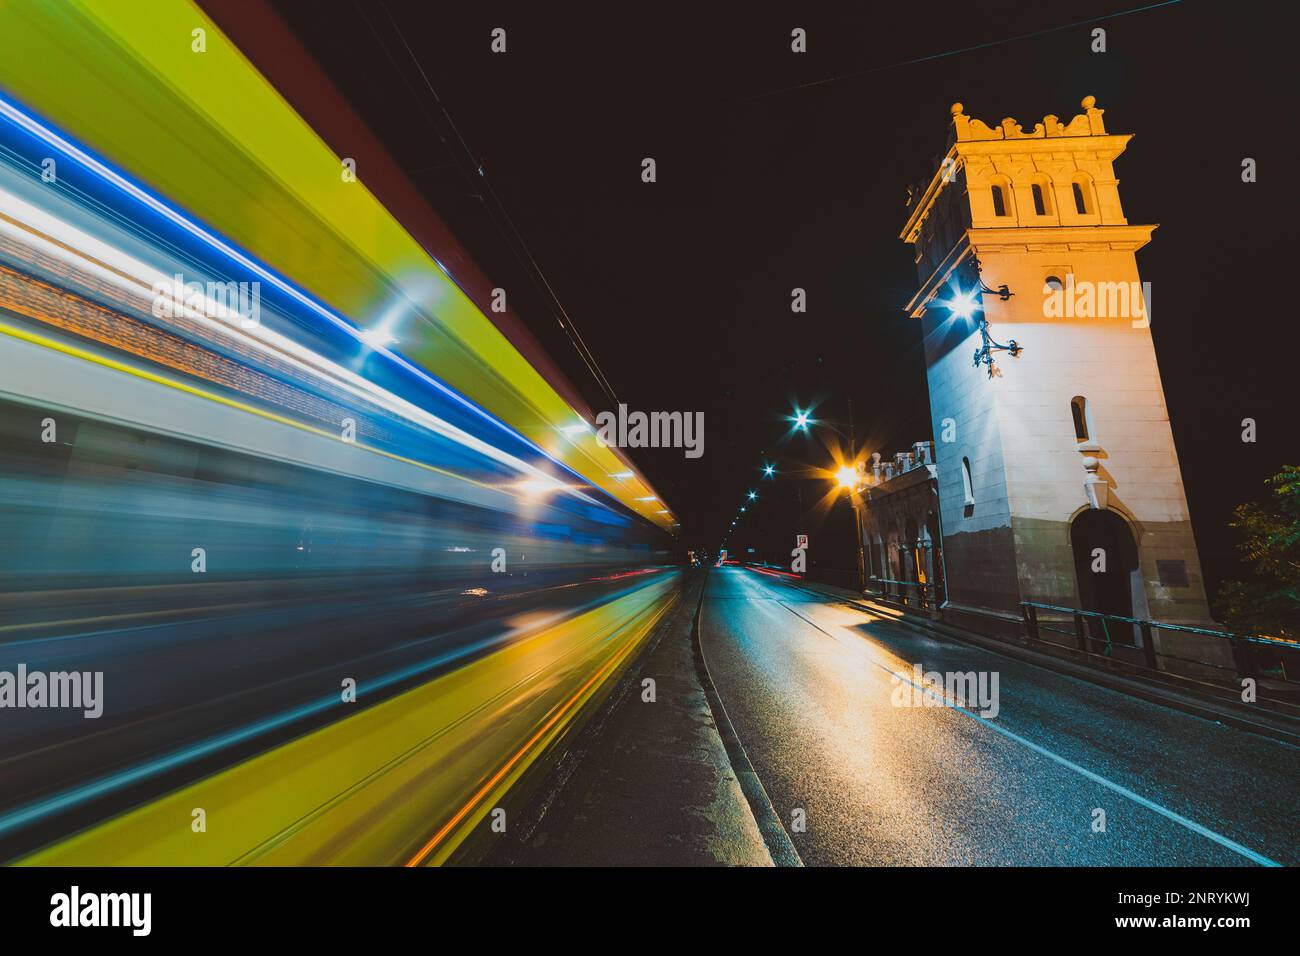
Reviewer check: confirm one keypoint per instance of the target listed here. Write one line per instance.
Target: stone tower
(1061, 446)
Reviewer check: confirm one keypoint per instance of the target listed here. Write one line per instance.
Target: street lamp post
(857, 523)
(850, 479)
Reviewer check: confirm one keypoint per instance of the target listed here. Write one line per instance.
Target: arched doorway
(1105, 562)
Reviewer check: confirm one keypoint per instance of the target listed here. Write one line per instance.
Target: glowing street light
(963, 306)
(801, 420)
(769, 471)
(849, 478)
(753, 495)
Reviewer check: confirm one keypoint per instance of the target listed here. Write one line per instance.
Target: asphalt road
(809, 685)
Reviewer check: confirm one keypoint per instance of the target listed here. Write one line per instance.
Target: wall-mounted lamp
(988, 344)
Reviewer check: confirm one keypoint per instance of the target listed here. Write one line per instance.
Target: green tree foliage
(1269, 602)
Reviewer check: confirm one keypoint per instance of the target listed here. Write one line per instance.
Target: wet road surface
(825, 700)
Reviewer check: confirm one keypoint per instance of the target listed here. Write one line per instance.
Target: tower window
(1040, 200)
(999, 202)
(1082, 418)
(967, 486)
(1080, 203)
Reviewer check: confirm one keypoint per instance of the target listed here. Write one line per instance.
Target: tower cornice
(1061, 238)
(1019, 239)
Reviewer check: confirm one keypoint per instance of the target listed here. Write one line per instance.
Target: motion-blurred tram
(228, 498)
(131, 439)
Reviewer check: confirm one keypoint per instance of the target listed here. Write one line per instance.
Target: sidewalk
(643, 784)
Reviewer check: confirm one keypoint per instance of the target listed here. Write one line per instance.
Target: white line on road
(1178, 818)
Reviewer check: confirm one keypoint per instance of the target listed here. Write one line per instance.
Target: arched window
(1004, 202)
(967, 486)
(999, 201)
(1082, 416)
(1040, 200)
(1082, 188)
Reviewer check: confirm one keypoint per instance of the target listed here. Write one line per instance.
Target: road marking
(1097, 778)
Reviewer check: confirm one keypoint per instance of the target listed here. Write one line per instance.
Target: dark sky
(681, 289)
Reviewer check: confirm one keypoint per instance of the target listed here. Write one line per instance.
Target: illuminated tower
(1060, 448)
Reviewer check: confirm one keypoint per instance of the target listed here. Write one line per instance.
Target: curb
(779, 845)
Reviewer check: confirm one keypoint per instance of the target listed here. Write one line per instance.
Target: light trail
(11, 112)
(423, 853)
(67, 349)
(362, 774)
(33, 226)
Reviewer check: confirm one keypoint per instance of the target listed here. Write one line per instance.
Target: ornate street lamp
(965, 307)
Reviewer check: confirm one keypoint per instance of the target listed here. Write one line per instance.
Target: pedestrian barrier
(1098, 634)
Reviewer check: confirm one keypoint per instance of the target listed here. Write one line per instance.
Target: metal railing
(1250, 655)
(902, 591)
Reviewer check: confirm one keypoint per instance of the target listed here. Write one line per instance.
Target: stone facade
(899, 510)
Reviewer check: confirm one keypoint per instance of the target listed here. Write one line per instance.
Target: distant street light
(803, 421)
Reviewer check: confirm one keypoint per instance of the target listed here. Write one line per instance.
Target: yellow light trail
(497, 777)
(365, 790)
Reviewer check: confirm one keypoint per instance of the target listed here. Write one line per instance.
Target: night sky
(681, 288)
